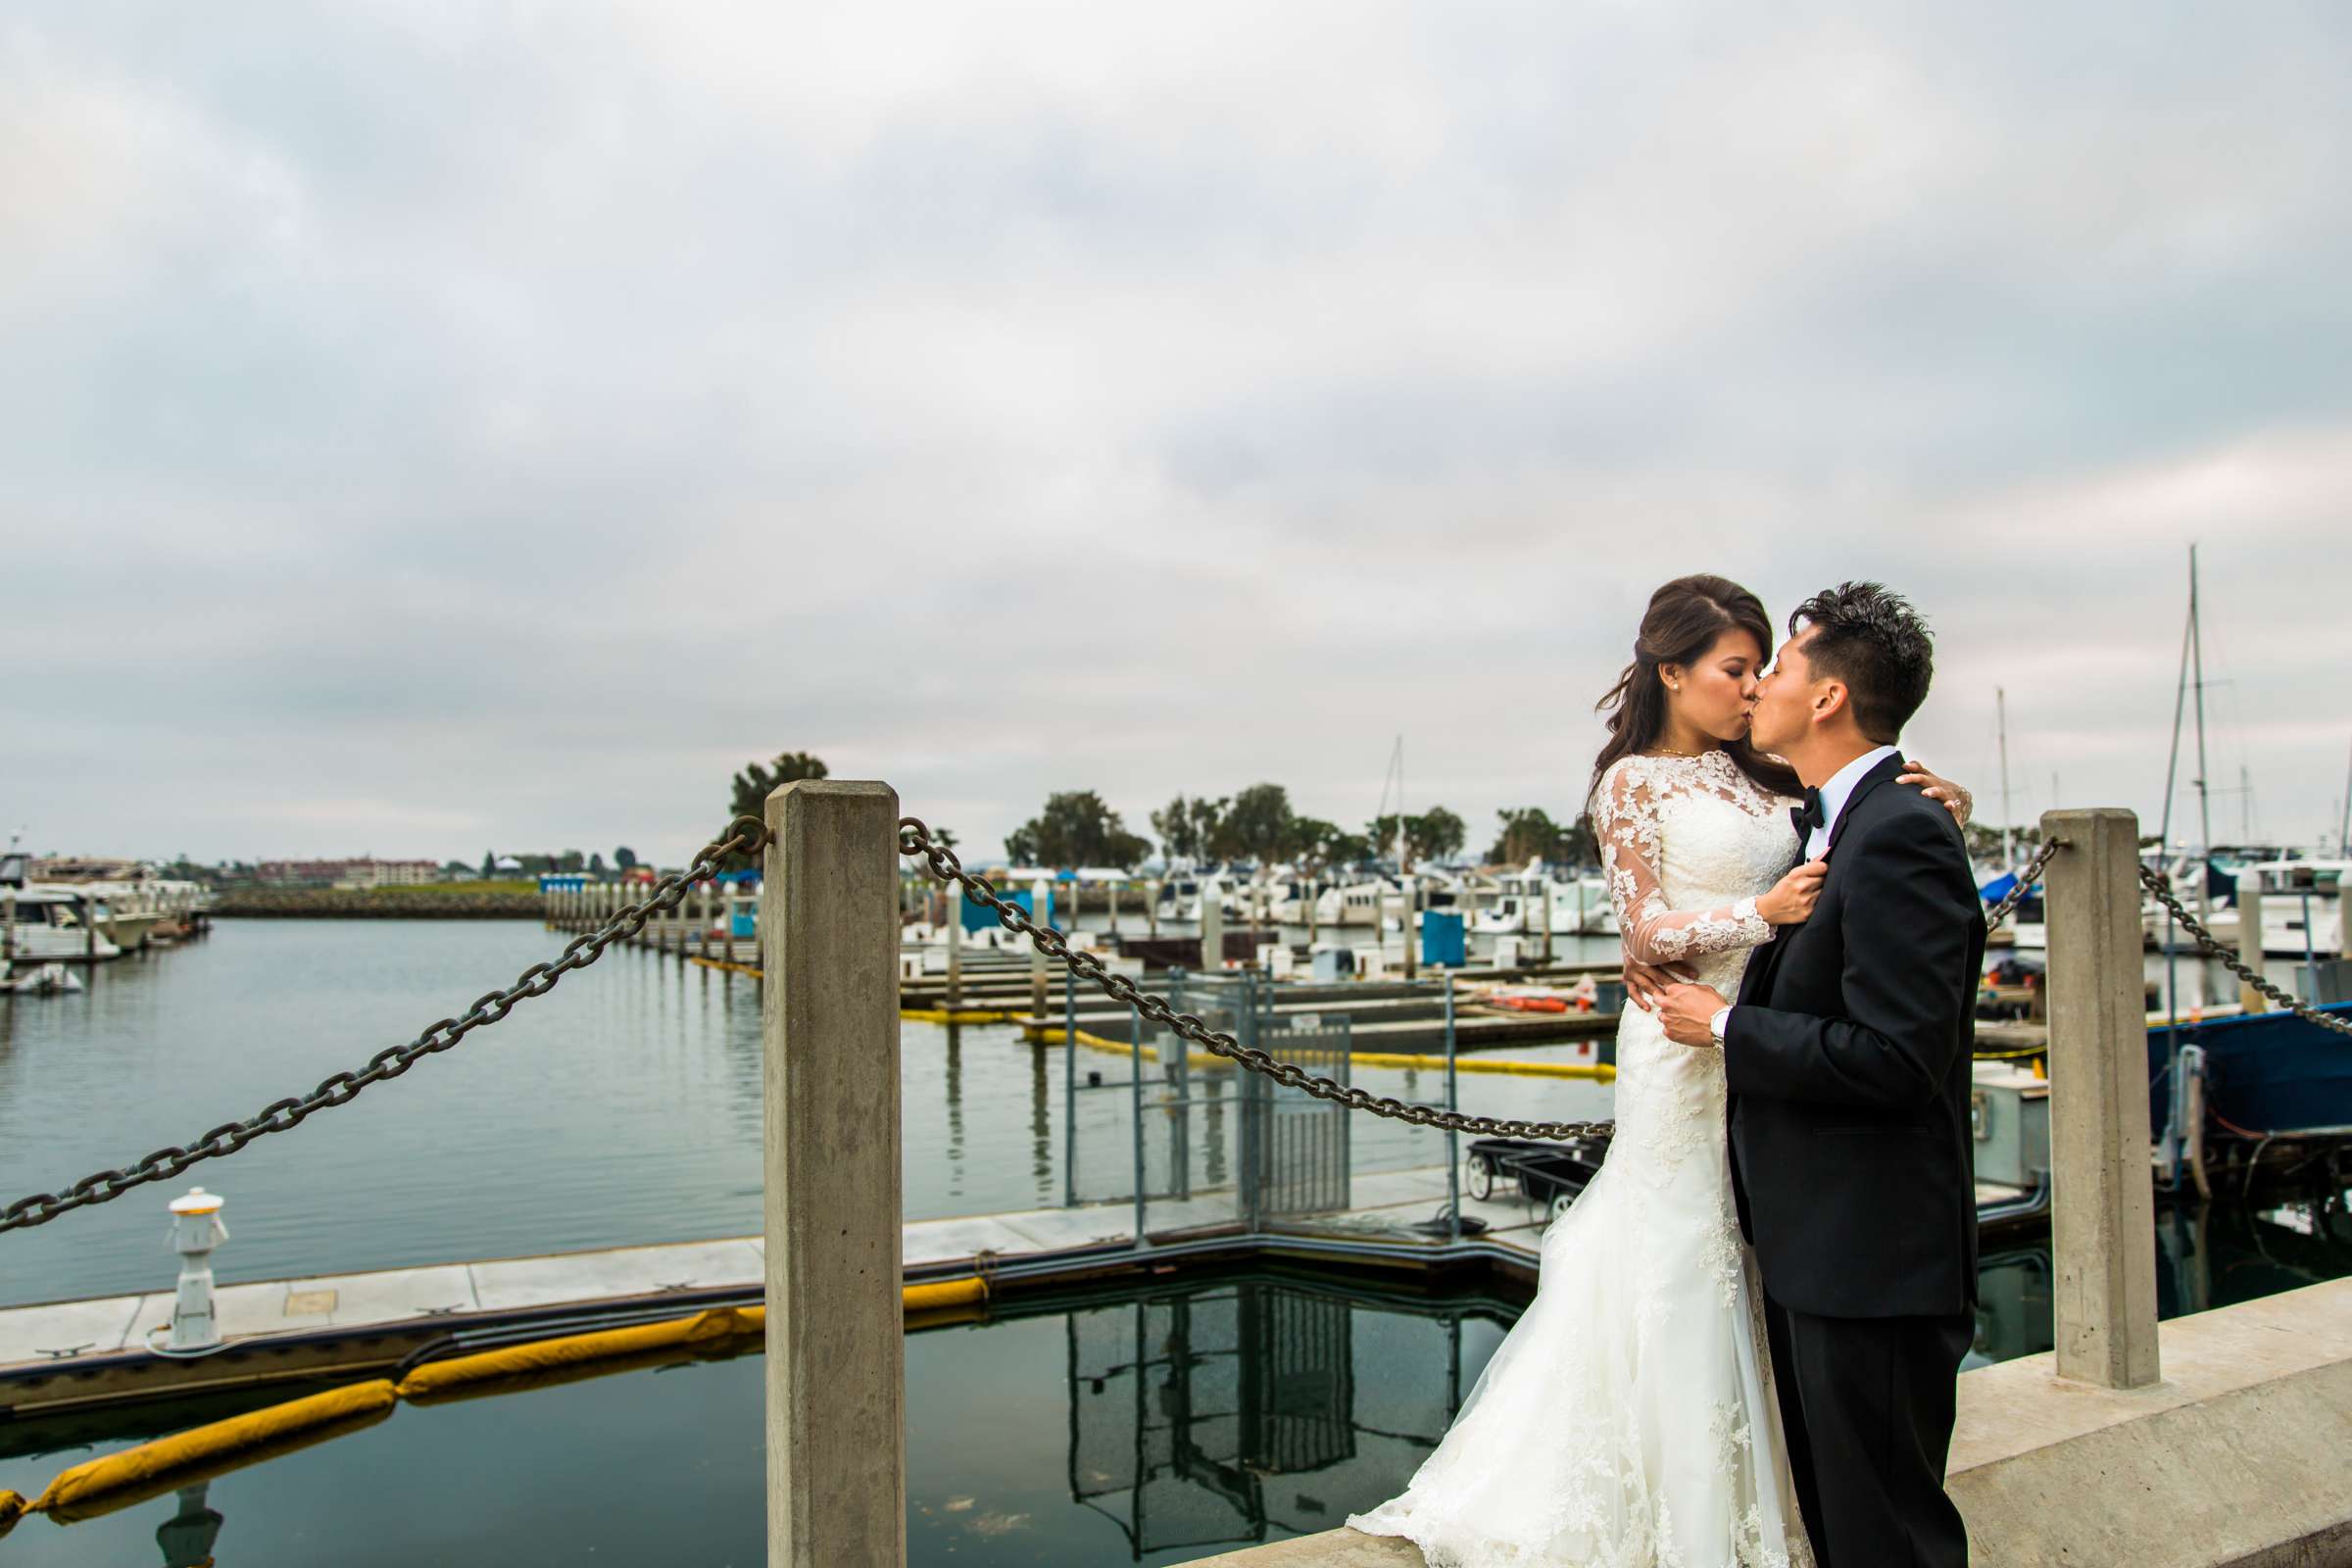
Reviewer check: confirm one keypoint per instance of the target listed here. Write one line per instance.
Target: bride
(1628, 1420)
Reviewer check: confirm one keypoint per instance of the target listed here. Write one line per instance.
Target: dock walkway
(62, 1354)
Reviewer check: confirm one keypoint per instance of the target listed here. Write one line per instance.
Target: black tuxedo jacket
(1847, 1058)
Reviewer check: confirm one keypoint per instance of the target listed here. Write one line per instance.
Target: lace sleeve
(1625, 821)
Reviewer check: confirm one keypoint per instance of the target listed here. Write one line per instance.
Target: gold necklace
(1668, 751)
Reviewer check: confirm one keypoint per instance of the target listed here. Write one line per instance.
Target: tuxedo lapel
(1888, 767)
(1755, 985)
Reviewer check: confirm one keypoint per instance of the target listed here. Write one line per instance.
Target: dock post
(2102, 1220)
(1036, 955)
(2249, 938)
(1213, 928)
(1543, 902)
(701, 912)
(1114, 908)
(1412, 902)
(829, 1017)
(956, 897)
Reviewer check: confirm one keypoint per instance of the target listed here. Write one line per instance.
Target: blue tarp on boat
(2270, 1072)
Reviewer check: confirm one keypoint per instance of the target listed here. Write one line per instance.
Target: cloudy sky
(436, 427)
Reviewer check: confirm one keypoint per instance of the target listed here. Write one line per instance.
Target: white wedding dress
(1628, 1419)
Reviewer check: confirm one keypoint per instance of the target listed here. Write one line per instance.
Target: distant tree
(1076, 829)
(456, 871)
(572, 860)
(624, 857)
(1527, 832)
(1429, 835)
(757, 782)
(1320, 846)
(596, 865)
(1186, 827)
(1255, 826)
(489, 865)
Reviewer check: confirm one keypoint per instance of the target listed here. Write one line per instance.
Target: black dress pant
(1867, 1406)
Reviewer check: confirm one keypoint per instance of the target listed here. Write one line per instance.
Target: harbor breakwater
(392, 903)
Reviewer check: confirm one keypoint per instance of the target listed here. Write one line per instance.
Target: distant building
(363, 873)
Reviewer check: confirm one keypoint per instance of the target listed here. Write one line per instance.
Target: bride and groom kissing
(1746, 1334)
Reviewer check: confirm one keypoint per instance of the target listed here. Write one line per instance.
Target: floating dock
(60, 1357)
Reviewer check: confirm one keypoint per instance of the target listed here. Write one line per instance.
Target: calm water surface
(622, 1108)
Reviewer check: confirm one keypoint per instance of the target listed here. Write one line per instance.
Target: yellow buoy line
(116, 1480)
(1601, 1072)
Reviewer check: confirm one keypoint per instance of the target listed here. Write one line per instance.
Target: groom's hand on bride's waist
(1688, 1013)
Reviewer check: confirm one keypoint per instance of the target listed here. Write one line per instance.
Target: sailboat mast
(2343, 833)
(2000, 708)
(2196, 644)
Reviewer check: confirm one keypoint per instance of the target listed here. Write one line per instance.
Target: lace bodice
(1688, 844)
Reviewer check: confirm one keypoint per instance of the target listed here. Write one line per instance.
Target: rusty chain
(2025, 883)
(915, 839)
(2156, 883)
(745, 834)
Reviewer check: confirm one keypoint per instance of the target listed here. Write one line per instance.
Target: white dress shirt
(1834, 795)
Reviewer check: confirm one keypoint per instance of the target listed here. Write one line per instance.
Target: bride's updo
(1684, 619)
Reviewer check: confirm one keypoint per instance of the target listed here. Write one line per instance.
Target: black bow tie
(1806, 817)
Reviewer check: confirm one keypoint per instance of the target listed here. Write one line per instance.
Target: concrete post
(701, 914)
(1151, 909)
(1114, 907)
(2102, 1222)
(1213, 928)
(836, 1357)
(89, 926)
(2249, 938)
(1380, 923)
(1314, 897)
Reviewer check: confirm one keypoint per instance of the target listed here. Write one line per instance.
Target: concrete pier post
(1114, 906)
(702, 915)
(2102, 1221)
(2249, 938)
(1212, 928)
(836, 1358)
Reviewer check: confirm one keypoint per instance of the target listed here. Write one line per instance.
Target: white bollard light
(196, 1229)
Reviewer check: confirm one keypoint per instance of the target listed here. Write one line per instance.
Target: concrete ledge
(2234, 1461)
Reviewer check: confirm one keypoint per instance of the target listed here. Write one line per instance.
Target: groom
(1847, 1060)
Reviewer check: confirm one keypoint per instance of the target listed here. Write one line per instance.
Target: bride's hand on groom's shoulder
(1936, 787)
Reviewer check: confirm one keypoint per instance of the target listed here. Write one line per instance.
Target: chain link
(2156, 883)
(915, 839)
(745, 834)
(2024, 884)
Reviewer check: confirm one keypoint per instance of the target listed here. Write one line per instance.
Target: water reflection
(1228, 1414)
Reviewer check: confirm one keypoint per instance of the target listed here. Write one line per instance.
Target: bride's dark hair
(1684, 619)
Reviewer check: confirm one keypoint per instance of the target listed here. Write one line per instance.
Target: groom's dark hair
(1874, 641)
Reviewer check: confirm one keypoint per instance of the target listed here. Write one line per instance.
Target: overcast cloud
(438, 426)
